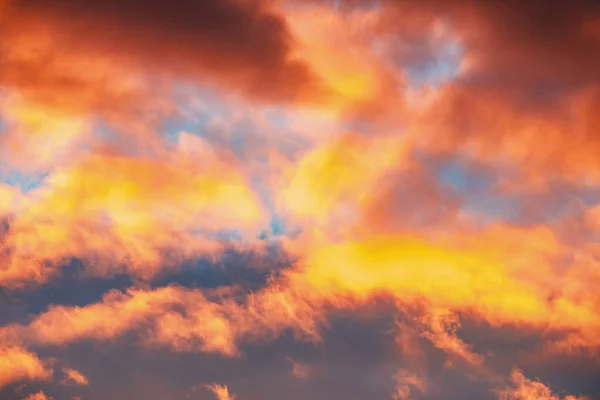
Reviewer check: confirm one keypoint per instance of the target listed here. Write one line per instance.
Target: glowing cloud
(17, 364)
(221, 392)
(38, 396)
(255, 179)
(527, 389)
(74, 376)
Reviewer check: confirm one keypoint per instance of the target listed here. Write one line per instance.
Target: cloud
(504, 101)
(74, 376)
(17, 364)
(331, 127)
(221, 392)
(522, 73)
(116, 209)
(38, 396)
(441, 278)
(300, 370)
(8, 198)
(407, 382)
(322, 186)
(186, 320)
(484, 272)
(527, 389)
(360, 80)
(243, 45)
(39, 136)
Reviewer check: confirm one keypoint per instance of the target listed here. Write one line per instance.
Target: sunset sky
(299, 200)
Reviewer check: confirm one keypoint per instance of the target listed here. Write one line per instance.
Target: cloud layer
(234, 199)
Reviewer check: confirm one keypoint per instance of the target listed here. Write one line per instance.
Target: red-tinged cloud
(17, 364)
(78, 83)
(519, 74)
(518, 50)
(479, 124)
(52, 98)
(243, 45)
(530, 72)
(127, 68)
(473, 276)
(503, 39)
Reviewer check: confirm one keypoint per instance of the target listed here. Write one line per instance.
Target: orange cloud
(337, 48)
(177, 318)
(221, 392)
(494, 130)
(39, 136)
(527, 72)
(406, 384)
(527, 389)
(472, 278)
(479, 275)
(61, 324)
(330, 182)
(9, 197)
(491, 282)
(246, 47)
(38, 396)
(486, 271)
(301, 370)
(74, 376)
(140, 204)
(115, 209)
(17, 364)
(53, 97)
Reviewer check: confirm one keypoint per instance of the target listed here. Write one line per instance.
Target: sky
(299, 200)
